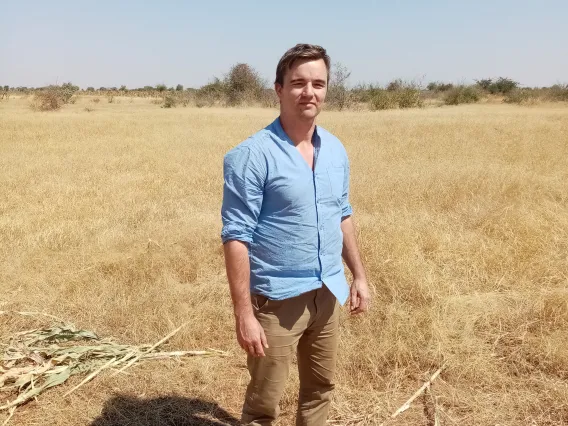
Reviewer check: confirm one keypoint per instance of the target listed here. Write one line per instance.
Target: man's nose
(308, 90)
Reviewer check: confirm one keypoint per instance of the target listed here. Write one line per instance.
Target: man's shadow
(127, 410)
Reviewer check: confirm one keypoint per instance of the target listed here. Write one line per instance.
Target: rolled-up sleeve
(346, 209)
(244, 173)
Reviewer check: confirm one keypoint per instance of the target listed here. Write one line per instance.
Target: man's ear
(278, 89)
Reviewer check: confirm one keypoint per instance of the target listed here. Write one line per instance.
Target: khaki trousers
(307, 324)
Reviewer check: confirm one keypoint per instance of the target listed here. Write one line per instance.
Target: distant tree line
(242, 85)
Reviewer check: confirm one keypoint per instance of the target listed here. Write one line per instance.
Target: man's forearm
(350, 251)
(238, 274)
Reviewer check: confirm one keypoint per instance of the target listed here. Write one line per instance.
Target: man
(286, 225)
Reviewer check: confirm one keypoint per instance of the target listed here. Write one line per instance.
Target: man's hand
(360, 298)
(250, 335)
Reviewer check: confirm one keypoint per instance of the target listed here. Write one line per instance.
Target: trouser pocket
(258, 301)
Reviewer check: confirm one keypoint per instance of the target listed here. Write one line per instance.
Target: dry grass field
(110, 219)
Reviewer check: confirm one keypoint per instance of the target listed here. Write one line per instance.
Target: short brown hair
(300, 51)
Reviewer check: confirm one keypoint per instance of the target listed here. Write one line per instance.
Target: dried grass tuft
(36, 360)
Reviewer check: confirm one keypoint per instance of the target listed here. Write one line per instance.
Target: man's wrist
(361, 276)
(243, 311)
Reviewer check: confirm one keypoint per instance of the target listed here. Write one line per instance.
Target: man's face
(304, 89)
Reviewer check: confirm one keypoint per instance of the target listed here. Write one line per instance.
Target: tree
(179, 88)
(502, 85)
(337, 94)
(395, 85)
(505, 85)
(432, 86)
(484, 83)
(161, 88)
(123, 88)
(243, 83)
(90, 89)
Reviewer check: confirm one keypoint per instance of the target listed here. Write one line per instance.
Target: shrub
(439, 87)
(462, 95)
(211, 93)
(95, 100)
(502, 85)
(521, 96)
(54, 97)
(484, 83)
(382, 99)
(183, 98)
(170, 101)
(110, 99)
(48, 100)
(408, 97)
(66, 91)
(269, 98)
(559, 92)
(395, 85)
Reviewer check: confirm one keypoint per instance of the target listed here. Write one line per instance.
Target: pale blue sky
(136, 43)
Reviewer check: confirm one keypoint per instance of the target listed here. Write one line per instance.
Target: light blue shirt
(289, 215)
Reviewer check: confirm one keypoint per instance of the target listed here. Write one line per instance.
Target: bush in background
(437, 87)
(170, 101)
(53, 97)
(409, 97)
(559, 93)
(521, 97)
(210, 94)
(397, 94)
(502, 85)
(462, 95)
(382, 99)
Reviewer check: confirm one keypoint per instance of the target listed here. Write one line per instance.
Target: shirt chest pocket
(336, 176)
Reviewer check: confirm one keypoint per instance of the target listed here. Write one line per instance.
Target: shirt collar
(279, 131)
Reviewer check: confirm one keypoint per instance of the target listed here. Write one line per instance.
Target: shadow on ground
(126, 410)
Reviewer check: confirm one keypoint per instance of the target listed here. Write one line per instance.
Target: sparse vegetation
(397, 94)
(243, 86)
(558, 92)
(170, 101)
(521, 96)
(462, 95)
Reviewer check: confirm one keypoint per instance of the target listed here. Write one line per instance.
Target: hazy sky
(110, 43)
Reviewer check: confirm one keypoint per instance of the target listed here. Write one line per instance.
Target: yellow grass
(110, 219)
